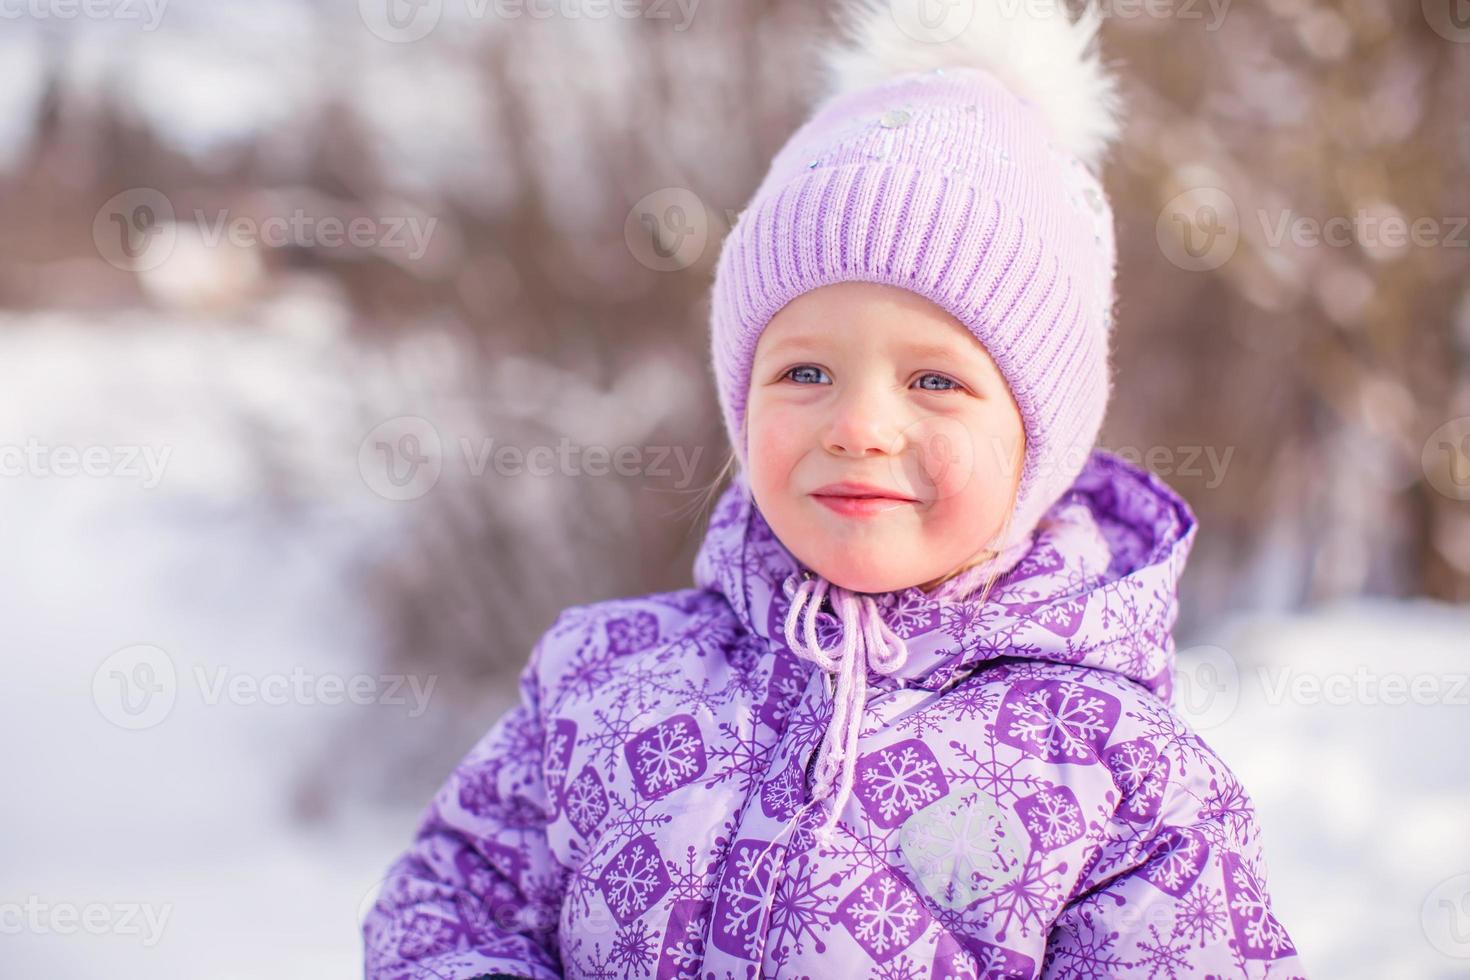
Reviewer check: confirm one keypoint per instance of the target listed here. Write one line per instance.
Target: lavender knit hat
(959, 165)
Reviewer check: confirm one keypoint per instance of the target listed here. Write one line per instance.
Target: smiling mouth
(861, 506)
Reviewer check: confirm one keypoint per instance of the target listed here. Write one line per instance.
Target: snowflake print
(590, 670)
(972, 701)
(633, 948)
(585, 802)
(967, 619)
(895, 782)
(1003, 782)
(802, 906)
(426, 935)
(1141, 774)
(908, 613)
(965, 701)
(643, 683)
(961, 848)
(478, 791)
(952, 962)
(1227, 814)
(634, 879)
(1052, 817)
(666, 756)
(1260, 936)
(611, 733)
(1028, 899)
(1061, 618)
(628, 817)
(995, 963)
(1060, 722)
(636, 632)
(683, 945)
(782, 795)
(700, 698)
(559, 744)
(1081, 948)
(1177, 862)
(882, 915)
(741, 907)
(740, 756)
(1162, 956)
(782, 694)
(1201, 915)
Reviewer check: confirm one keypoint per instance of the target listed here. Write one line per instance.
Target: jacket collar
(1096, 589)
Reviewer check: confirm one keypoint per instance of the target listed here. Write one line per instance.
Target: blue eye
(949, 381)
(805, 367)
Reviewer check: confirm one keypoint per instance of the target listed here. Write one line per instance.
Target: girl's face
(870, 384)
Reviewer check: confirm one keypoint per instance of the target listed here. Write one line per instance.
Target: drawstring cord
(867, 644)
(881, 650)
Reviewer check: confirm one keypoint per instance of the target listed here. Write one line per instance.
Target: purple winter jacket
(1025, 802)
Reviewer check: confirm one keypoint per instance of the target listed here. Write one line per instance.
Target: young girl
(913, 718)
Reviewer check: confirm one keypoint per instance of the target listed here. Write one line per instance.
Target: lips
(860, 499)
(861, 491)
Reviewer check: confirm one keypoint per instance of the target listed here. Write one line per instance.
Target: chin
(862, 575)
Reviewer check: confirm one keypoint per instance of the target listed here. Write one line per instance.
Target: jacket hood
(1097, 588)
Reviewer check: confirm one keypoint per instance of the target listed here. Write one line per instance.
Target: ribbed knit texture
(946, 184)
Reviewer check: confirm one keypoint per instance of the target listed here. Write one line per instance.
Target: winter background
(245, 649)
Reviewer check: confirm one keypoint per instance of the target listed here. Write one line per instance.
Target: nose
(863, 423)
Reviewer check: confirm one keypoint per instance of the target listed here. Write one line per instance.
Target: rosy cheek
(778, 437)
(942, 458)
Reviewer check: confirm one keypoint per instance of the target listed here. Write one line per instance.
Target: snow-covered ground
(138, 845)
(1348, 726)
(147, 836)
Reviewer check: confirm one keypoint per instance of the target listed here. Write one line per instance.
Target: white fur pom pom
(1032, 46)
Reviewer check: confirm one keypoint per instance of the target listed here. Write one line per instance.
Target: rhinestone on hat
(895, 119)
